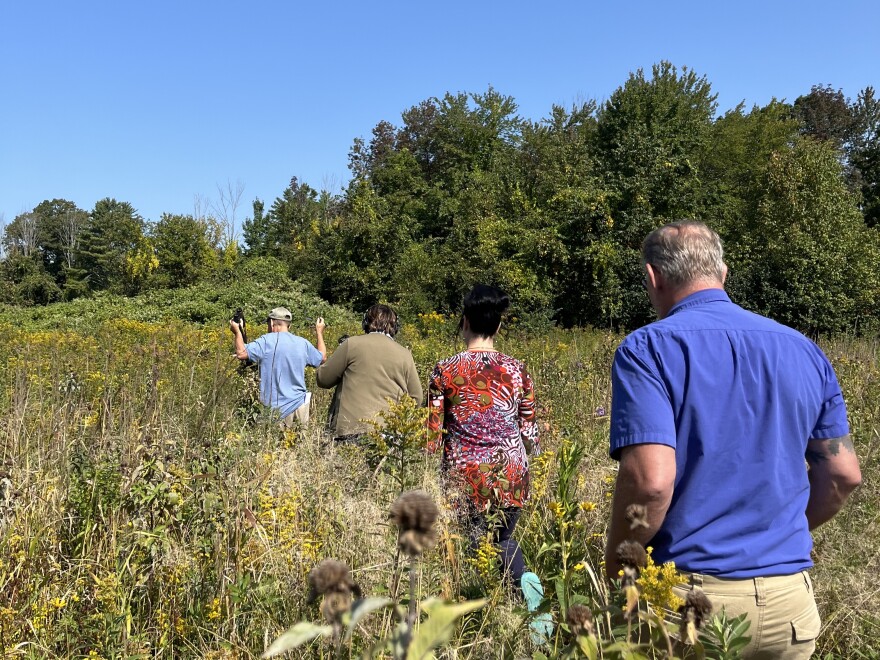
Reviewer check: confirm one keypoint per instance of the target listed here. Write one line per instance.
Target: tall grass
(150, 508)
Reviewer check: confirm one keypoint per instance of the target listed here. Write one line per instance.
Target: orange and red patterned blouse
(481, 411)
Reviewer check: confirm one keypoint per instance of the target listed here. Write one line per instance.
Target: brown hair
(381, 318)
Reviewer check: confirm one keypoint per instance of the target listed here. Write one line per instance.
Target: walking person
(282, 358)
(368, 371)
(732, 430)
(481, 407)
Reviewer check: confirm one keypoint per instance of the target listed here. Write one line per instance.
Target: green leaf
(588, 646)
(438, 628)
(299, 634)
(362, 608)
(560, 594)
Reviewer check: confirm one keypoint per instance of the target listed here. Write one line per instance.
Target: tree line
(464, 189)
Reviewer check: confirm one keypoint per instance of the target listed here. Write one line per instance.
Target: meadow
(150, 507)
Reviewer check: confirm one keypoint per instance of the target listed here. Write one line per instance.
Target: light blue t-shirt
(737, 396)
(282, 358)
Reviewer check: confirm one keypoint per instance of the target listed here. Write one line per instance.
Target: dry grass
(148, 508)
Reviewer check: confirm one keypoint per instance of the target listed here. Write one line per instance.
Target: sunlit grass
(148, 507)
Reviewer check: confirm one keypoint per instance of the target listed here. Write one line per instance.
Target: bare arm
(319, 330)
(240, 351)
(647, 477)
(834, 474)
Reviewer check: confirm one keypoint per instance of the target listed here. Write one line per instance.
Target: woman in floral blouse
(481, 412)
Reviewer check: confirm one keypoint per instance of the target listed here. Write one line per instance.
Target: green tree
(186, 249)
(650, 135)
(255, 231)
(865, 153)
(734, 168)
(26, 280)
(814, 260)
(825, 115)
(114, 229)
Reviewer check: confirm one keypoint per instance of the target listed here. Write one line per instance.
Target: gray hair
(685, 252)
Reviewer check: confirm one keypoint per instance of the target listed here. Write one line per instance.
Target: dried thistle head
(334, 605)
(632, 555)
(331, 577)
(415, 513)
(637, 516)
(697, 608)
(580, 620)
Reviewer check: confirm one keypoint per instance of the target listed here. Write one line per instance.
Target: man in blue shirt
(714, 412)
(283, 357)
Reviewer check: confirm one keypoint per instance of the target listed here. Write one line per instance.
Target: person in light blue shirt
(282, 358)
(716, 415)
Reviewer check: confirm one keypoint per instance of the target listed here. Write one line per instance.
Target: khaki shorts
(782, 610)
(300, 415)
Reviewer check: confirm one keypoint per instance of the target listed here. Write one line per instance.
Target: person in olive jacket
(368, 370)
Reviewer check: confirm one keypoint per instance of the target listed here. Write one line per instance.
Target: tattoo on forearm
(835, 444)
(822, 450)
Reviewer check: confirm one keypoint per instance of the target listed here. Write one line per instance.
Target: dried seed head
(697, 607)
(637, 516)
(632, 555)
(580, 620)
(415, 513)
(331, 577)
(334, 606)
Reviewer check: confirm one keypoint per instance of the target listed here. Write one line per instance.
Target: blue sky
(156, 102)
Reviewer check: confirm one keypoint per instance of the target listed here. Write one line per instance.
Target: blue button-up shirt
(737, 396)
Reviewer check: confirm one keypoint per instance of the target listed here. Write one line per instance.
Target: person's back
(716, 414)
(282, 358)
(745, 393)
(368, 370)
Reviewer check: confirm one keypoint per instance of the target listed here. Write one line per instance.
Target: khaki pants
(782, 610)
(299, 416)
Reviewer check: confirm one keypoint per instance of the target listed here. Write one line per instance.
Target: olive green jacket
(367, 370)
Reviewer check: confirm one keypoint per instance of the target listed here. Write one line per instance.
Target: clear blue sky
(156, 102)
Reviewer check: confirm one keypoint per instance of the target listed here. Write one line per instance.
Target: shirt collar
(700, 298)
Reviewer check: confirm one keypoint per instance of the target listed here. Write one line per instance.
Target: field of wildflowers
(149, 506)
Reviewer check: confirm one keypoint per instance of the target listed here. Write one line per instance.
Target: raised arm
(319, 331)
(834, 473)
(238, 341)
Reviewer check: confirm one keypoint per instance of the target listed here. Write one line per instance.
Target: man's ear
(724, 274)
(654, 277)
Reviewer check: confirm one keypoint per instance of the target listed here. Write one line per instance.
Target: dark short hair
(483, 307)
(381, 318)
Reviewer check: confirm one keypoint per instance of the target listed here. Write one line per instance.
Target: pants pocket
(805, 627)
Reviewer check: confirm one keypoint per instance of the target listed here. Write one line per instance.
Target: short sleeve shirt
(283, 358)
(737, 396)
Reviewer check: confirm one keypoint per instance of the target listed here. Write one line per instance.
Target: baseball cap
(281, 314)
